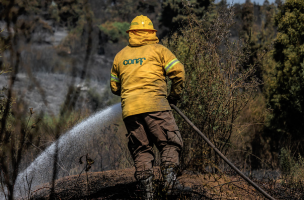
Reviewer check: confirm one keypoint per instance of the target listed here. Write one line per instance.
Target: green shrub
(116, 31)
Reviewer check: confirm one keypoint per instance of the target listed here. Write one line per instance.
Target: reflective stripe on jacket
(139, 73)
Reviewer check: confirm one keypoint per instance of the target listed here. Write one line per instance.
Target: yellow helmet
(141, 23)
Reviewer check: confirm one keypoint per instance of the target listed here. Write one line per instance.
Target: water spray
(70, 146)
(222, 155)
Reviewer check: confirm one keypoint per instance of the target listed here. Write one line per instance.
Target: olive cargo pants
(157, 128)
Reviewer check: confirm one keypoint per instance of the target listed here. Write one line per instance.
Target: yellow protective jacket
(139, 73)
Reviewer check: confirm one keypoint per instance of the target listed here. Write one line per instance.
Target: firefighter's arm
(176, 73)
(115, 80)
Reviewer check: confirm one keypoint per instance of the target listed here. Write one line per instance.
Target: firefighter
(138, 75)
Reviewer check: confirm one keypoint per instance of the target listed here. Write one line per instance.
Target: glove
(172, 100)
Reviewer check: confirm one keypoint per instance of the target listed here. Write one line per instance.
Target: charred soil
(121, 184)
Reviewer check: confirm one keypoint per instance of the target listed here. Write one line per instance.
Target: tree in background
(70, 12)
(286, 86)
(126, 10)
(173, 13)
(266, 37)
(78, 17)
(249, 33)
(255, 25)
(247, 16)
(266, 33)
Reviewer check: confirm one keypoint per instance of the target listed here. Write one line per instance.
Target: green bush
(116, 31)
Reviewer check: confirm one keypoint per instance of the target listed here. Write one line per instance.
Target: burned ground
(121, 184)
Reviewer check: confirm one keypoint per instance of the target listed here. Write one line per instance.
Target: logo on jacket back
(134, 61)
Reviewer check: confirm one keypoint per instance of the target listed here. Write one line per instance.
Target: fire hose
(221, 155)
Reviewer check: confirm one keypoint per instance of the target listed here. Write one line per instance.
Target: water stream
(88, 136)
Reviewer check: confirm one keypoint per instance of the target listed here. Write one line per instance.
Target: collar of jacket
(139, 38)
